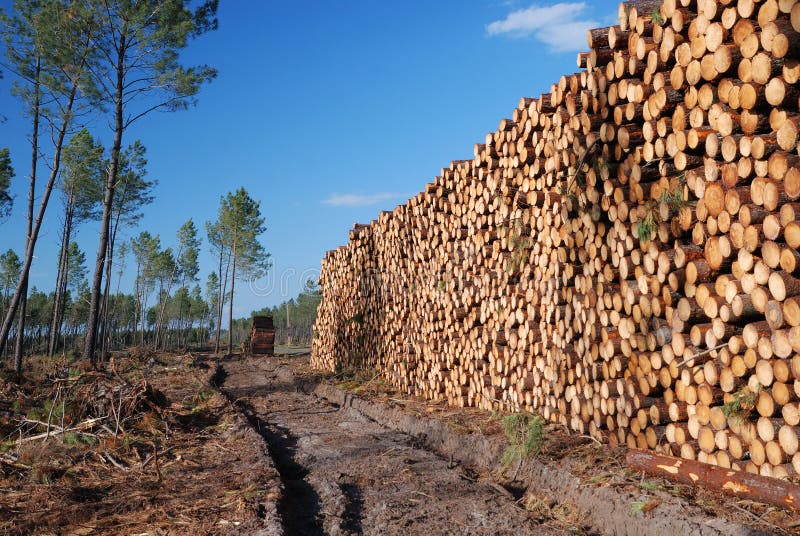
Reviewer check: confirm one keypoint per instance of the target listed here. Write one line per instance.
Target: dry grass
(565, 517)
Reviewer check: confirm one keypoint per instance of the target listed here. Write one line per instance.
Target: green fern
(357, 318)
(674, 199)
(521, 245)
(743, 402)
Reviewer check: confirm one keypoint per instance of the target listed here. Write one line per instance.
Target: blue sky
(328, 113)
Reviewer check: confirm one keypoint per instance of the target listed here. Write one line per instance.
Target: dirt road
(344, 474)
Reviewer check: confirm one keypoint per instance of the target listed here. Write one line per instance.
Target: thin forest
(61, 56)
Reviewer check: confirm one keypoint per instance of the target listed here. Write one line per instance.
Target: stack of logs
(262, 336)
(621, 255)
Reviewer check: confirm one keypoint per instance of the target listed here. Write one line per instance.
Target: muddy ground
(357, 457)
(200, 445)
(345, 474)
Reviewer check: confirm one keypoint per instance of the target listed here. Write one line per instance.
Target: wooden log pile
(262, 336)
(620, 255)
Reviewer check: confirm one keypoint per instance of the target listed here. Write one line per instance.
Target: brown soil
(266, 446)
(210, 474)
(574, 485)
(345, 474)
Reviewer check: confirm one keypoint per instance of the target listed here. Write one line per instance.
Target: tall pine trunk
(19, 346)
(105, 332)
(22, 286)
(230, 306)
(223, 286)
(61, 279)
(163, 306)
(108, 201)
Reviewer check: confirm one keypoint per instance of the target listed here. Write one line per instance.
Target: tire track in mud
(299, 505)
(346, 474)
(354, 507)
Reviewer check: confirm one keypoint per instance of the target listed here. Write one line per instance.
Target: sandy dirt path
(343, 473)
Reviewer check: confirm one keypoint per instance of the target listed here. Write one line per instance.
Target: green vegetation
(740, 405)
(649, 485)
(6, 174)
(75, 438)
(661, 210)
(526, 434)
(646, 228)
(638, 507)
(521, 245)
(656, 17)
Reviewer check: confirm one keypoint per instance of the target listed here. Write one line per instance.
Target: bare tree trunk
(18, 347)
(163, 306)
(119, 284)
(181, 334)
(143, 318)
(20, 342)
(61, 280)
(230, 306)
(223, 286)
(26, 267)
(139, 313)
(108, 200)
(107, 289)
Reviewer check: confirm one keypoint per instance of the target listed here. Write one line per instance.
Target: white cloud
(358, 200)
(559, 26)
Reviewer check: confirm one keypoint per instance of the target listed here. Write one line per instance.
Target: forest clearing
(187, 444)
(590, 326)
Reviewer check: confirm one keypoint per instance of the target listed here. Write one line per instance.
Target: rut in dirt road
(345, 474)
(299, 506)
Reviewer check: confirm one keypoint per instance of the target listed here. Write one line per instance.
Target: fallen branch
(737, 483)
(700, 354)
(26, 420)
(85, 425)
(760, 519)
(155, 462)
(5, 460)
(155, 452)
(114, 462)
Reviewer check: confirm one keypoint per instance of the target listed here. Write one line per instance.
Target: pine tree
(140, 43)
(10, 266)
(49, 45)
(132, 193)
(188, 266)
(145, 248)
(240, 224)
(80, 188)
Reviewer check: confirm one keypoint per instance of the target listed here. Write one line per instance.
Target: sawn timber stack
(620, 255)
